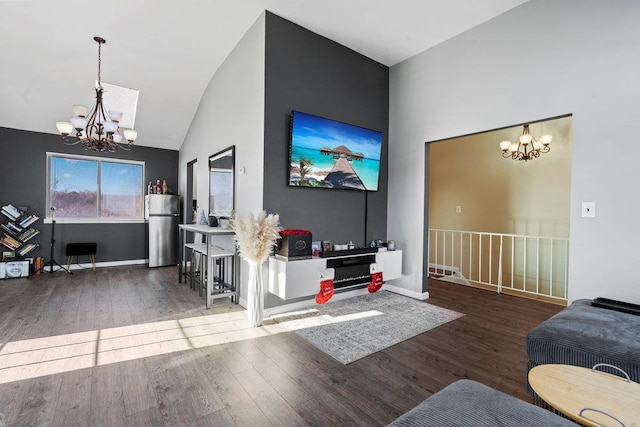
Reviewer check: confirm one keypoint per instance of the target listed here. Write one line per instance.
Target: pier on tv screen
(325, 153)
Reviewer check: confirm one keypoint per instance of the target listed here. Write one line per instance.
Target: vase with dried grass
(255, 237)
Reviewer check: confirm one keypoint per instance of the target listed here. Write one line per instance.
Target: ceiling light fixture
(527, 147)
(96, 130)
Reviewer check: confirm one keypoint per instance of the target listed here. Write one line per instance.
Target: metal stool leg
(203, 273)
(192, 269)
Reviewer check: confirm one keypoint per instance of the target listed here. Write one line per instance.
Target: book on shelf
(12, 240)
(7, 229)
(14, 228)
(8, 244)
(29, 220)
(12, 211)
(10, 215)
(28, 234)
(27, 248)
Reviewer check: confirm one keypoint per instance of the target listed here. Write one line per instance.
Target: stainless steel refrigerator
(162, 214)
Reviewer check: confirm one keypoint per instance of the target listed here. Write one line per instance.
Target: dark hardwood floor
(272, 380)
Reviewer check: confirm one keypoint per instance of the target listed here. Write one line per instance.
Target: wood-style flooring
(276, 380)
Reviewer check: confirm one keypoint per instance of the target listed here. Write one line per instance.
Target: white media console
(301, 278)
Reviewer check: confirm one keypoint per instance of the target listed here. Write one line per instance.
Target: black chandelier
(97, 129)
(527, 147)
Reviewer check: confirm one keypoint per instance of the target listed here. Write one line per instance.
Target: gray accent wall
(23, 182)
(315, 75)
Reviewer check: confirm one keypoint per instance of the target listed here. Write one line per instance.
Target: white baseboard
(406, 292)
(87, 265)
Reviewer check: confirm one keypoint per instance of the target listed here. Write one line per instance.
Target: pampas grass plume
(256, 236)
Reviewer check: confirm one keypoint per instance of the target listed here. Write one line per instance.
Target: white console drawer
(392, 264)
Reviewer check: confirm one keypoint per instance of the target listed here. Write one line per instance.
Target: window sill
(94, 221)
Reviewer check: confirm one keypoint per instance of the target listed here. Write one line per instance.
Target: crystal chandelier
(96, 129)
(527, 147)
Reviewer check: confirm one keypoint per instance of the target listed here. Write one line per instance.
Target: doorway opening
(497, 222)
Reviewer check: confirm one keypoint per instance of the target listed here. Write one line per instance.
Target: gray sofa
(467, 403)
(584, 335)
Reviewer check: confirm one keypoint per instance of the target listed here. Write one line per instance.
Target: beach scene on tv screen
(330, 154)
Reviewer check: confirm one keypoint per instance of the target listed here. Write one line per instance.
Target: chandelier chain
(99, 63)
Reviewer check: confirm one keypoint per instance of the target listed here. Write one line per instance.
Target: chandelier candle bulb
(116, 116)
(110, 127)
(80, 110)
(130, 134)
(525, 138)
(79, 123)
(65, 128)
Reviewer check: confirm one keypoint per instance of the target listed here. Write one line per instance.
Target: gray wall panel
(23, 166)
(310, 73)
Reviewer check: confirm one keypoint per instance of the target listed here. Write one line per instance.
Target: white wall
(542, 59)
(231, 112)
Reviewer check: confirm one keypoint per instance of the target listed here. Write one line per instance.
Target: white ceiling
(169, 50)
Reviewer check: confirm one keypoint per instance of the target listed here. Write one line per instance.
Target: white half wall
(231, 112)
(542, 59)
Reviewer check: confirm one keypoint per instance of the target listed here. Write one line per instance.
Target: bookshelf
(16, 234)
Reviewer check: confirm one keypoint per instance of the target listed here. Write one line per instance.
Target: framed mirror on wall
(222, 183)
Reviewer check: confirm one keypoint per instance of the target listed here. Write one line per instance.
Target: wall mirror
(222, 183)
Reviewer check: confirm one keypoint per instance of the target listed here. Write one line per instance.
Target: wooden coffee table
(591, 397)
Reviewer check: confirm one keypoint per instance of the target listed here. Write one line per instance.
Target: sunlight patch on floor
(20, 360)
(325, 319)
(33, 358)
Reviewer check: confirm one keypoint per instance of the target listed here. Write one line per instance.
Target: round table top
(571, 389)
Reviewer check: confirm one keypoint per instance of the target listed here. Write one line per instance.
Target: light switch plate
(588, 209)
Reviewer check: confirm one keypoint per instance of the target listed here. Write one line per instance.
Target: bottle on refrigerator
(158, 187)
(150, 188)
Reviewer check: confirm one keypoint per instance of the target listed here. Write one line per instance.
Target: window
(93, 188)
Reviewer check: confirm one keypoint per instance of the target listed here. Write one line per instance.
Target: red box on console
(294, 244)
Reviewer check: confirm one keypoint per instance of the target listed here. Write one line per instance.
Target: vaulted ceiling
(169, 50)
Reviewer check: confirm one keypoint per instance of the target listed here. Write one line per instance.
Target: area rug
(353, 328)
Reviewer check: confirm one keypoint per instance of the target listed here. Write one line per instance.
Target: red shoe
(326, 291)
(376, 282)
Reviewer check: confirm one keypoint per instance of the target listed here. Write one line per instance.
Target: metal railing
(531, 264)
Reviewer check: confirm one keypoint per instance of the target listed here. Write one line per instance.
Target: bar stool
(197, 265)
(223, 274)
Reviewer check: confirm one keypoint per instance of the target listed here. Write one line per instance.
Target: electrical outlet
(588, 209)
(458, 209)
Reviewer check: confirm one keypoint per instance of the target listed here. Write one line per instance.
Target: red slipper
(326, 291)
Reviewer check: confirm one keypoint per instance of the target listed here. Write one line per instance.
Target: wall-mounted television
(327, 153)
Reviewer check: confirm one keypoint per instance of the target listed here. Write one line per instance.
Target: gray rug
(353, 328)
